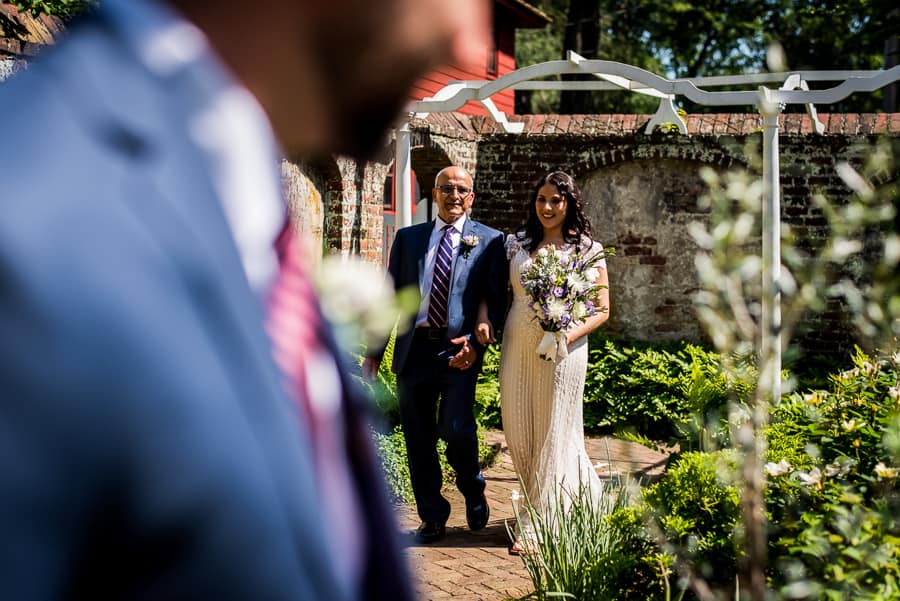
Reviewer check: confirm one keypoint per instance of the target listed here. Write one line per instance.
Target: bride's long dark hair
(575, 226)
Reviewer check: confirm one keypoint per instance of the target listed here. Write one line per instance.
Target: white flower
(894, 392)
(556, 308)
(813, 398)
(579, 311)
(882, 471)
(576, 283)
(843, 248)
(467, 243)
(839, 468)
(592, 274)
(542, 253)
(357, 299)
(813, 478)
(778, 469)
(851, 425)
(869, 369)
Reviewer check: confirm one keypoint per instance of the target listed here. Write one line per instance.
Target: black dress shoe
(477, 515)
(429, 532)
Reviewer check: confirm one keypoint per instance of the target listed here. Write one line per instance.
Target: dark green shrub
(696, 508)
(487, 394)
(391, 450)
(639, 576)
(672, 391)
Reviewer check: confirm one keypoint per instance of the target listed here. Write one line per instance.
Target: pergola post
(403, 175)
(770, 344)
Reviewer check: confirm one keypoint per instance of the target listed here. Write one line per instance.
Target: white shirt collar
(228, 125)
(439, 223)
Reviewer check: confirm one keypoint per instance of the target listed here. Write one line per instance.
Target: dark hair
(575, 226)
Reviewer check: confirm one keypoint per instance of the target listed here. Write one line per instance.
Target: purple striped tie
(440, 282)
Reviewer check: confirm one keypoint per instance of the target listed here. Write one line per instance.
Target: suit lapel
(463, 257)
(421, 249)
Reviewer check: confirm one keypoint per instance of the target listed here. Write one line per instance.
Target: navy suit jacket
(479, 274)
(147, 447)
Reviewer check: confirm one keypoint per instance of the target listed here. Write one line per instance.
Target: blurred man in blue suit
(148, 446)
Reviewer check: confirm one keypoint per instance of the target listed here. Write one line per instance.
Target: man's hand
(466, 356)
(370, 367)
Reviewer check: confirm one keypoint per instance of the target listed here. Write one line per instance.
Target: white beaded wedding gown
(541, 402)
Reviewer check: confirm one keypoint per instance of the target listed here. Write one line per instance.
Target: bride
(541, 401)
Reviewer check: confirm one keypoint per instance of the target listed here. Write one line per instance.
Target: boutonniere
(467, 243)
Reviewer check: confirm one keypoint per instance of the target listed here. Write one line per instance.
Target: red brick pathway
(474, 566)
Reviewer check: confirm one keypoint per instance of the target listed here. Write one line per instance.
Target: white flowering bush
(833, 497)
(822, 463)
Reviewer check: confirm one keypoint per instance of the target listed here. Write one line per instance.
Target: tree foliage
(705, 38)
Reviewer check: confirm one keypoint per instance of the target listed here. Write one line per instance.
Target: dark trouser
(426, 378)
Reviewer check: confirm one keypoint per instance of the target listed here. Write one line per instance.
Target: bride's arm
(484, 329)
(597, 319)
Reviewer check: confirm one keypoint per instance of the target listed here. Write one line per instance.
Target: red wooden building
(499, 57)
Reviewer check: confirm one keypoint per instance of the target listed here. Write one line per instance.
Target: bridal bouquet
(562, 292)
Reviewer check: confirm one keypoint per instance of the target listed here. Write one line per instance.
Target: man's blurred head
(333, 75)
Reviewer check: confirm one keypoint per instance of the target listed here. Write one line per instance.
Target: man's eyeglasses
(447, 190)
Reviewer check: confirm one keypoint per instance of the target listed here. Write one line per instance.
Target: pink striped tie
(294, 324)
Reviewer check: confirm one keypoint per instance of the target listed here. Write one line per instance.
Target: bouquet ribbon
(552, 346)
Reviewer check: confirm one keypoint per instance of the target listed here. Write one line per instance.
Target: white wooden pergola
(769, 92)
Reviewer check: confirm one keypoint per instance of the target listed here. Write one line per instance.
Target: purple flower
(589, 306)
(565, 319)
(559, 292)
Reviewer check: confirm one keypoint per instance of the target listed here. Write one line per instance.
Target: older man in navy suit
(155, 443)
(458, 265)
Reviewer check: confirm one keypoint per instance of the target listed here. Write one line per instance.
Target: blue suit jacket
(482, 274)
(147, 449)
